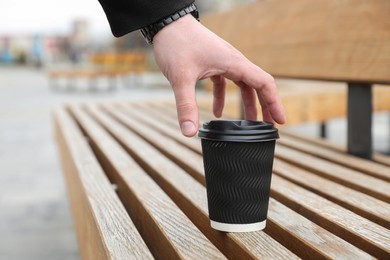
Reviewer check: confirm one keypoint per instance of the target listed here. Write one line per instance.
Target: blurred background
(44, 33)
(39, 42)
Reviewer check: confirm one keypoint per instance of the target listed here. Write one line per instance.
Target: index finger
(263, 83)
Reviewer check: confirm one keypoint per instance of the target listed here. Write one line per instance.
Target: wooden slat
(190, 196)
(330, 40)
(169, 108)
(357, 230)
(343, 175)
(358, 202)
(193, 164)
(383, 159)
(306, 238)
(169, 129)
(368, 167)
(167, 231)
(297, 235)
(104, 229)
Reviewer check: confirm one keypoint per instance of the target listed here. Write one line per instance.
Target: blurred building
(17, 48)
(74, 46)
(79, 40)
(41, 49)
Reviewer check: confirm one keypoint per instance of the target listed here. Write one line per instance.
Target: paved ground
(35, 220)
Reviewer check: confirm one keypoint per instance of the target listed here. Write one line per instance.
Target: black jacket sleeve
(125, 16)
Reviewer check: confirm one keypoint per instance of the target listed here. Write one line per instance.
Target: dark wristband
(148, 32)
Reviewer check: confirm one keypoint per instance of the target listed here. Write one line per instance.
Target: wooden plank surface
(105, 231)
(305, 238)
(170, 129)
(381, 158)
(357, 230)
(351, 178)
(330, 40)
(337, 149)
(189, 195)
(293, 234)
(173, 150)
(375, 208)
(320, 207)
(358, 202)
(368, 167)
(167, 231)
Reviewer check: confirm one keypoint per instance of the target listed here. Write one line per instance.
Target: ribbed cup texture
(238, 179)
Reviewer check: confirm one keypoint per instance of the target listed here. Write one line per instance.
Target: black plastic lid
(238, 131)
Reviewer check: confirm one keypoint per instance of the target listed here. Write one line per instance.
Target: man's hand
(186, 52)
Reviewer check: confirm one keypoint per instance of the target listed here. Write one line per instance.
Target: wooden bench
(137, 191)
(338, 41)
(100, 66)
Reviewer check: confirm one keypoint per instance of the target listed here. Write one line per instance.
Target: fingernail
(283, 118)
(188, 128)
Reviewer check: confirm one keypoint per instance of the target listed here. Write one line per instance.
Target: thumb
(187, 109)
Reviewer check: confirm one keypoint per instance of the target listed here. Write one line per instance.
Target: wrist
(150, 31)
(177, 30)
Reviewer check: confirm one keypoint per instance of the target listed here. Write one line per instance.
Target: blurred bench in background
(334, 41)
(108, 66)
(305, 101)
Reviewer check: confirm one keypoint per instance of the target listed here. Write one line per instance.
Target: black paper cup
(238, 158)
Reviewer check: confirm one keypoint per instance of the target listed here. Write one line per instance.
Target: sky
(49, 16)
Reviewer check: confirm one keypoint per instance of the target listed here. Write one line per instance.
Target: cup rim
(238, 131)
